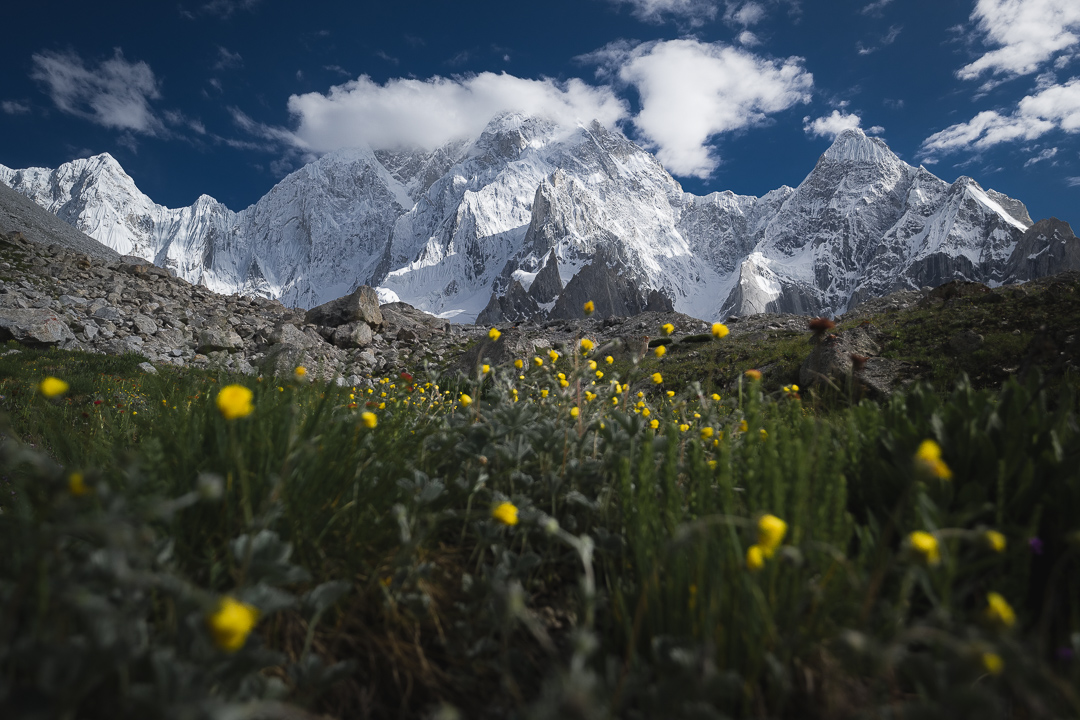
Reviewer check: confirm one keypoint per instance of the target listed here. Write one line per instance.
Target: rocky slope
(465, 231)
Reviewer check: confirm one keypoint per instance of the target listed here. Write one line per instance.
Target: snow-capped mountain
(454, 230)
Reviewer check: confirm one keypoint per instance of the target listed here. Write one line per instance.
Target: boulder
(289, 334)
(831, 360)
(212, 339)
(33, 326)
(362, 305)
(352, 335)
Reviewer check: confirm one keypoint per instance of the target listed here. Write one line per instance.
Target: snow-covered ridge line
(452, 231)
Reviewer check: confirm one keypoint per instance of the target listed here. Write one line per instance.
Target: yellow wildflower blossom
(231, 623)
(753, 374)
(494, 334)
(667, 328)
(993, 663)
(599, 374)
(574, 412)
(587, 345)
(590, 396)
(998, 611)
(300, 372)
(654, 423)
(554, 355)
(995, 540)
(544, 393)
(771, 531)
(743, 426)
(538, 362)
(719, 330)
(485, 369)
(77, 484)
(706, 433)
(592, 364)
(659, 351)
(506, 513)
(657, 378)
(683, 427)
(755, 558)
(369, 419)
(609, 360)
(928, 457)
(519, 363)
(234, 401)
(926, 546)
(589, 308)
(465, 400)
(763, 433)
(51, 387)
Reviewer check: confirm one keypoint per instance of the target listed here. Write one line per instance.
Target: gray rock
(352, 335)
(547, 284)
(831, 360)
(148, 368)
(33, 327)
(214, 339)
(289, 334)
(363, 305)
(107, 312)
(144, 325)
(72, 301)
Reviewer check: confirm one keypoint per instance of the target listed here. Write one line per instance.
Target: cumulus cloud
(692, 12)
(406, 112)
(115, 94)
(14, 107)
(744, 13)
(691, 91)
(832, 125)
(1025, 33)
(1054, 107)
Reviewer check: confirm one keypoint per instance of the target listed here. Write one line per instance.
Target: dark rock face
(362, 305)
(607, 284)
(515, 306)
(547, 284)
(1049, 246)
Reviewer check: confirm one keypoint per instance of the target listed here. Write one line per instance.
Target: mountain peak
(853, 145)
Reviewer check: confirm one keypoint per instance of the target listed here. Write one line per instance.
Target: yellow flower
(609, 360)
(564, 382)
(683, 427)
(485, 369)
(667, 328)
(715, 397)
(592, 364)
(77, 484)
(719, 330)
(465, 400)
(755, 558)
(589, 308)
(654, 424)
(670, 393)
(494, 334)
(231, 623)
(646, 412)
(506, 513)
(382, 406)
(753, 374)
(659, 351)
(770, 533)
(51, 387)
(554, 355)
(300, 372)
(538, 362)
(993, 663)
(706, 433)
(519, 363)
(995, 540)
(928, 457)
(998, 611)
(657, 378)
(614, 401)
(599, 374)
(743, 427)
(544, 393)
(234, 401)
(586, 345)
(590, 396)
(574, 412)
(369, 419)
(926, 546)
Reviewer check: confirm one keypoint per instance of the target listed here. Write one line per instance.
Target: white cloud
(875, 8)
(887, 39)
(748, 39)
(1055, 107)
(832, 125)
(115, 94)
(428, 113)
(692, 12)
(1046, 154)
(1026, 33)
(744, 13)
(691, 91)
(14, 107)
(228, 59)
(1072, 181)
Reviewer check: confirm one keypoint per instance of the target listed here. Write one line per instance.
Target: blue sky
(224, 97)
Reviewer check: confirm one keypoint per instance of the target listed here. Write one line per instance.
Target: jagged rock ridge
(501, 226)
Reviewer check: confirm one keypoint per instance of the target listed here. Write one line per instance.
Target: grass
(386, 588)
